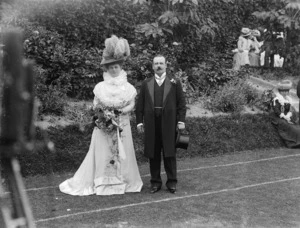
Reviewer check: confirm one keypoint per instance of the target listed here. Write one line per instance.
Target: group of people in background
(252, 51)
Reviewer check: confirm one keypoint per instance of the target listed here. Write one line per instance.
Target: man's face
(159, 65)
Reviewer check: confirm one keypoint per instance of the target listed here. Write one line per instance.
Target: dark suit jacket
(174, 110)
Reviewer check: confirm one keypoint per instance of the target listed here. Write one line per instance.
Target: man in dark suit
(160, 109)
(298, 94)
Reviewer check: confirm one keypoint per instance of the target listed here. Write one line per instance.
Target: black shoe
(155, 189)
(172, 190)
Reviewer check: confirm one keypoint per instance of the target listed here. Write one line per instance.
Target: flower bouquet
(107, 118)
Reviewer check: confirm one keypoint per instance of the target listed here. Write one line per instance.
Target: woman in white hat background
(286, 121)
(241, 56)
(254, 53)
(110, 165)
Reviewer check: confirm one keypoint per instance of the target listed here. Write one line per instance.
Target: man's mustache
(158, 68)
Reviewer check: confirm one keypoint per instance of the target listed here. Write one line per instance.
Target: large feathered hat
(116, 50)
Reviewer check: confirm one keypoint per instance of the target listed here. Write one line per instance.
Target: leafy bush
(52, 97)
(208, 137)
(67, 37)
(76, 68)
(227, 134)
(232, 97)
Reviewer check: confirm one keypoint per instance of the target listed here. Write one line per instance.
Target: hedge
(208, 137)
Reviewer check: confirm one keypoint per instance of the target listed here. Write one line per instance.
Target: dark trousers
(155, 163)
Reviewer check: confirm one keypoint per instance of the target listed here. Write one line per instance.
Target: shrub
(76, 68)
(52, 97)
(232, 97)
(208, 137)
(227, 134)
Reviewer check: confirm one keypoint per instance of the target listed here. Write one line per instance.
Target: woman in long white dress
(110, 165)
(241, 56)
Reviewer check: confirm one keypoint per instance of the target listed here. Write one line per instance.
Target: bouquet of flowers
(107, 117)
(108, 120)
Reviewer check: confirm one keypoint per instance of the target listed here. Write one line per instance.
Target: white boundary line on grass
(167, 200)
(192, 169)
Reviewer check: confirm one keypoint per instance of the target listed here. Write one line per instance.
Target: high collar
(163, 76)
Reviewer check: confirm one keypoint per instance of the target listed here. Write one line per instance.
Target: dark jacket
(174, 110)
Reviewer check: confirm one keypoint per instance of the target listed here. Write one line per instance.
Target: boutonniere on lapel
(173, 81)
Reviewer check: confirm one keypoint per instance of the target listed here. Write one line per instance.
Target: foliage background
(66, 38)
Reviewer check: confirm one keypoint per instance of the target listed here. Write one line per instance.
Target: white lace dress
(103, 171)
(241, 56)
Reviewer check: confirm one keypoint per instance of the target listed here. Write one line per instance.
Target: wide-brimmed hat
(284, 85)
(116, 50)
(245, 31)
(255, 32)
(182, 140)
(111, 61)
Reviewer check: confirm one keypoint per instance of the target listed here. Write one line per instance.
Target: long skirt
(103, 171)
(254, 59)
(289, 133)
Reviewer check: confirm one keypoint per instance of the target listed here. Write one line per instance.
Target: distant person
(272, 49)
(286, 120)
(241, 56)
(254, 53)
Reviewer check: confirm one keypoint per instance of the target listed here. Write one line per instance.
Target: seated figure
(286, 120)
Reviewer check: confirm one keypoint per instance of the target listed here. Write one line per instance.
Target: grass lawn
(258, 188)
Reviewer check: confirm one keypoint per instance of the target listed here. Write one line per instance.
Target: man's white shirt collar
(160, 80)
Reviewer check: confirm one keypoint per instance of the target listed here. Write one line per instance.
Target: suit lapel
(150, 85)
(167, 89)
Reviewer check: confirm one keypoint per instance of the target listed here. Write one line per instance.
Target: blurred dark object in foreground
(16, 129)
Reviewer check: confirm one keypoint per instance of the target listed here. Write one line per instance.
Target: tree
(177, 18)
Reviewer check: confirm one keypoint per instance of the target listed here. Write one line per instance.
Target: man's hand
(181, 126)
(140, 129)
